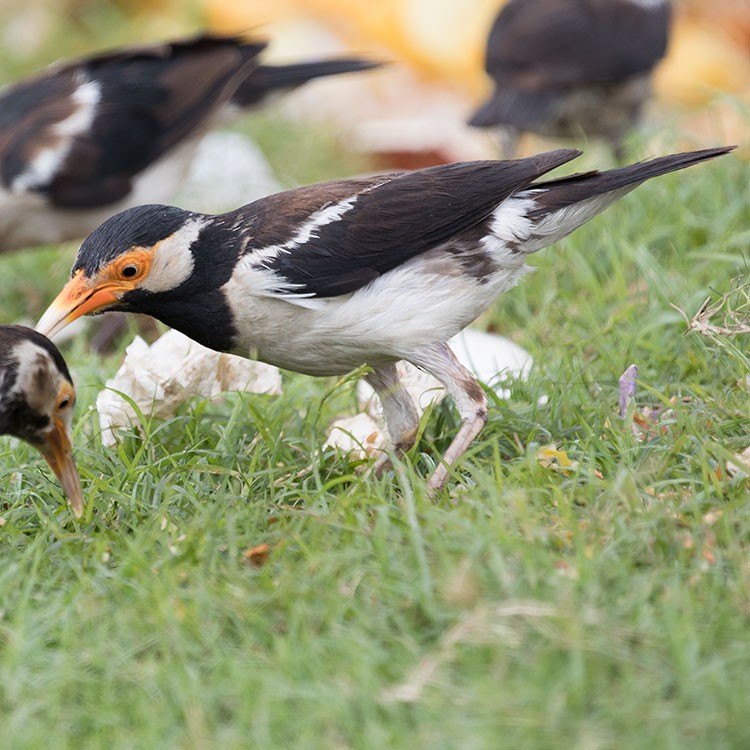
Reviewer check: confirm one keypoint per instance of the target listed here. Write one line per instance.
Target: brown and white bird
(36, 402)
(84, 140)
(573, 68)
(370, 270)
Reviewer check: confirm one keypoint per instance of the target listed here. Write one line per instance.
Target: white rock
(359, 436)
(160, 377)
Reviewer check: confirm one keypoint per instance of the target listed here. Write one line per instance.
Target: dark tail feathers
(270, 79)
(565, 191)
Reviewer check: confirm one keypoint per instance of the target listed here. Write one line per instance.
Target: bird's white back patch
(44, 166)
(172, 261)
(510, 227)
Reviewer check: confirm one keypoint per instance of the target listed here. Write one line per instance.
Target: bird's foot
(469, 430)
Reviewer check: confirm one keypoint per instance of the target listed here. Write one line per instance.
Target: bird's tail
(266, 80)
(565, 191)
(562, 205)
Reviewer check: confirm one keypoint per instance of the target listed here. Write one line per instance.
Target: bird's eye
(66, 398)
(129, 271)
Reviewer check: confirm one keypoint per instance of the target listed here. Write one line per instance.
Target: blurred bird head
(36, 402)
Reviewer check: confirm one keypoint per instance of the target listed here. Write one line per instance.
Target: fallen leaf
(258, 556)
(552, 458)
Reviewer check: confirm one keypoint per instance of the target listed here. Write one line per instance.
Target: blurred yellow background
(444, 41)
(419, 102)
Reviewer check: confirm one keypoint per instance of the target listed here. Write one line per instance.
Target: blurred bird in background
(86, 139)
(572, 68)
(36, 402)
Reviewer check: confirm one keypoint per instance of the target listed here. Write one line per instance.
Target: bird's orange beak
(58, 452)
(80, 296)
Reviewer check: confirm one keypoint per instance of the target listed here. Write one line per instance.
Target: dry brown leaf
(258, 556)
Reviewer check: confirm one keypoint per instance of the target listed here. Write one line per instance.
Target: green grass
(526, 608)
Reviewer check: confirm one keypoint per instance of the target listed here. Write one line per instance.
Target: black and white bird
(370, 270)
(573, 68)
(36, 402)
(81, 141)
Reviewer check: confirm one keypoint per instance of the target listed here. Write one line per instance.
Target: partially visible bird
(370, 270)
(36, 402)
(84, 140)
(573, 68)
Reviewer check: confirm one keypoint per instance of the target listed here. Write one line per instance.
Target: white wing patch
(249, 281)
(42, 169)
(320, 218)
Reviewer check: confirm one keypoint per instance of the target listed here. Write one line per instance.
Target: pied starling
(86, 139)
(36, 402)
(572, 68)
(369, 270)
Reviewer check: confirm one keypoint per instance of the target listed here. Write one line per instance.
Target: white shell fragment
(160, 377)
(359, 436)
(490, 358)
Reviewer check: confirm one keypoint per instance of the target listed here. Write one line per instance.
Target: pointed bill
(58, 452)
(77, 298)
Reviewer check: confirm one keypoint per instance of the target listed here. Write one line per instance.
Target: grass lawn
(605, 606)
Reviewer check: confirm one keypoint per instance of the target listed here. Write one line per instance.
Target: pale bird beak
(58, 452)
(77, 298)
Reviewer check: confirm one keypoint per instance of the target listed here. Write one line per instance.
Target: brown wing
(334, 238)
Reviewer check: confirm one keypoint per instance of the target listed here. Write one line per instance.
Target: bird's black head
(34, 379)
(145, 250)
(141, 227)
(36, 401)
(158, 260)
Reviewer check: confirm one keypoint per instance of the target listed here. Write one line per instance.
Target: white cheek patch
(172, 261)
(43, 168)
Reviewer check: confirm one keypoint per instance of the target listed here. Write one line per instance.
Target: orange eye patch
(132, 266)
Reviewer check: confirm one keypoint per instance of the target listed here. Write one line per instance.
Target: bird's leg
(466, 393)
(401, 417)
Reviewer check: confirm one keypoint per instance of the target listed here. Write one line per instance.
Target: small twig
(736, 316)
